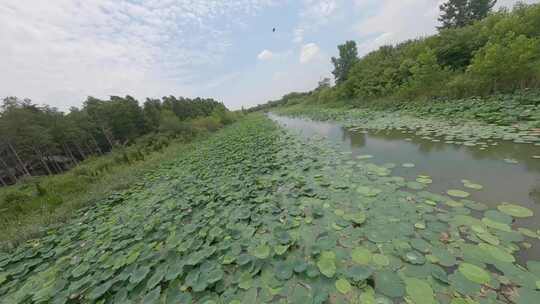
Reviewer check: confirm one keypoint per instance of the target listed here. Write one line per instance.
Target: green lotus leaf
(262, 251)
(389, 284)
(358, 218)
(515, 210)
(419, 291)
(367, 156)
(498, 253)
(155, 279)
(457, 193)
(326, 263)
(280, 249)
(414, 257)
(343, 286)
(367, 191)
(424, 180)
(498, 216)
(474, 273)
(473, 186)
(152, 297)
(284, 270)
(528, 232)
(361, 255)
(380, 259)
(359, 273)
(99, 290)
(139, 274)
(80, 270)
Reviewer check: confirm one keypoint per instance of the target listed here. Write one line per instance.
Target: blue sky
(60, 51)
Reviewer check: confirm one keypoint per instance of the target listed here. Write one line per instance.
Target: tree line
(476, 52)
(39, 140)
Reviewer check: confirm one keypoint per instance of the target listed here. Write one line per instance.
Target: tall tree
(348, 56)
(459, 13)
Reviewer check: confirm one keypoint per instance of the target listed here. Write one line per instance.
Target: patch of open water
(446, 164)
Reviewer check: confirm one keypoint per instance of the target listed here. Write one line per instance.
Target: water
(447, 164)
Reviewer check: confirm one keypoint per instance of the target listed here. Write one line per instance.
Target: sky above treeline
(58, 52)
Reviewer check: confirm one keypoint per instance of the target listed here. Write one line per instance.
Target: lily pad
(389, 284)
(474, 273)
(419, 291)
(361, 255)
(515, 210)
(457, 193)
(343, 286)
(327, 264)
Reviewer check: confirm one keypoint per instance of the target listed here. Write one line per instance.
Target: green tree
(348, 56)
(459, 13)
(513, 62)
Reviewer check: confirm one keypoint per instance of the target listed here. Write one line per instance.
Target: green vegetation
(471, 121)
(253, 214)
(71, 149)
(498, 54)
(459, 13)
(40, 140)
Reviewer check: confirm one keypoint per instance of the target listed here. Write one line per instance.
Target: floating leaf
(474, 273)
(515, 210)
(419, 291)
(367, 191)
(381, 259)
(327, 264)
(361, 255)
(262, 251)
(457, 193)
(343, 286)
(389, 284)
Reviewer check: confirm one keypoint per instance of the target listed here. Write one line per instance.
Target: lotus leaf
(419, 291)
(361, 255)
(389, 284)
(515, 210)
(327, 264)
(380, 259)
(262, 251)
(474, 273)
(457, 193)
(343, 286)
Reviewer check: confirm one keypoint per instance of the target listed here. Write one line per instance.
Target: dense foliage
(256, 215)
(458, 13)
(39, 140)
(500, 53)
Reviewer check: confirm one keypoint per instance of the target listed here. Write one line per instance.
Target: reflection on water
(447, 164)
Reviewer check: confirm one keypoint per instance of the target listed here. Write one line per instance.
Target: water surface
(447, 164)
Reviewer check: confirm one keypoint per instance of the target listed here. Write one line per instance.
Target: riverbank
(471, 121)
(256, 214)
(32, 206)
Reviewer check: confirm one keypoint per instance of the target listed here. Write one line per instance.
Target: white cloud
(265, 55)
(511, 3)
(309, 52)
(396, 21)
(298, 34)
(61, 51)
(314, 14)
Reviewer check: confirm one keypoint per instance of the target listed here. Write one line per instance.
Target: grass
(30, 207)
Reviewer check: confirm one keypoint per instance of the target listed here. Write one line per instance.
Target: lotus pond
(259, 214)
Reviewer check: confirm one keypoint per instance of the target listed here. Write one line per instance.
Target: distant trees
(499, 53)
(36, 140)
(459, 13)
(348, 56)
